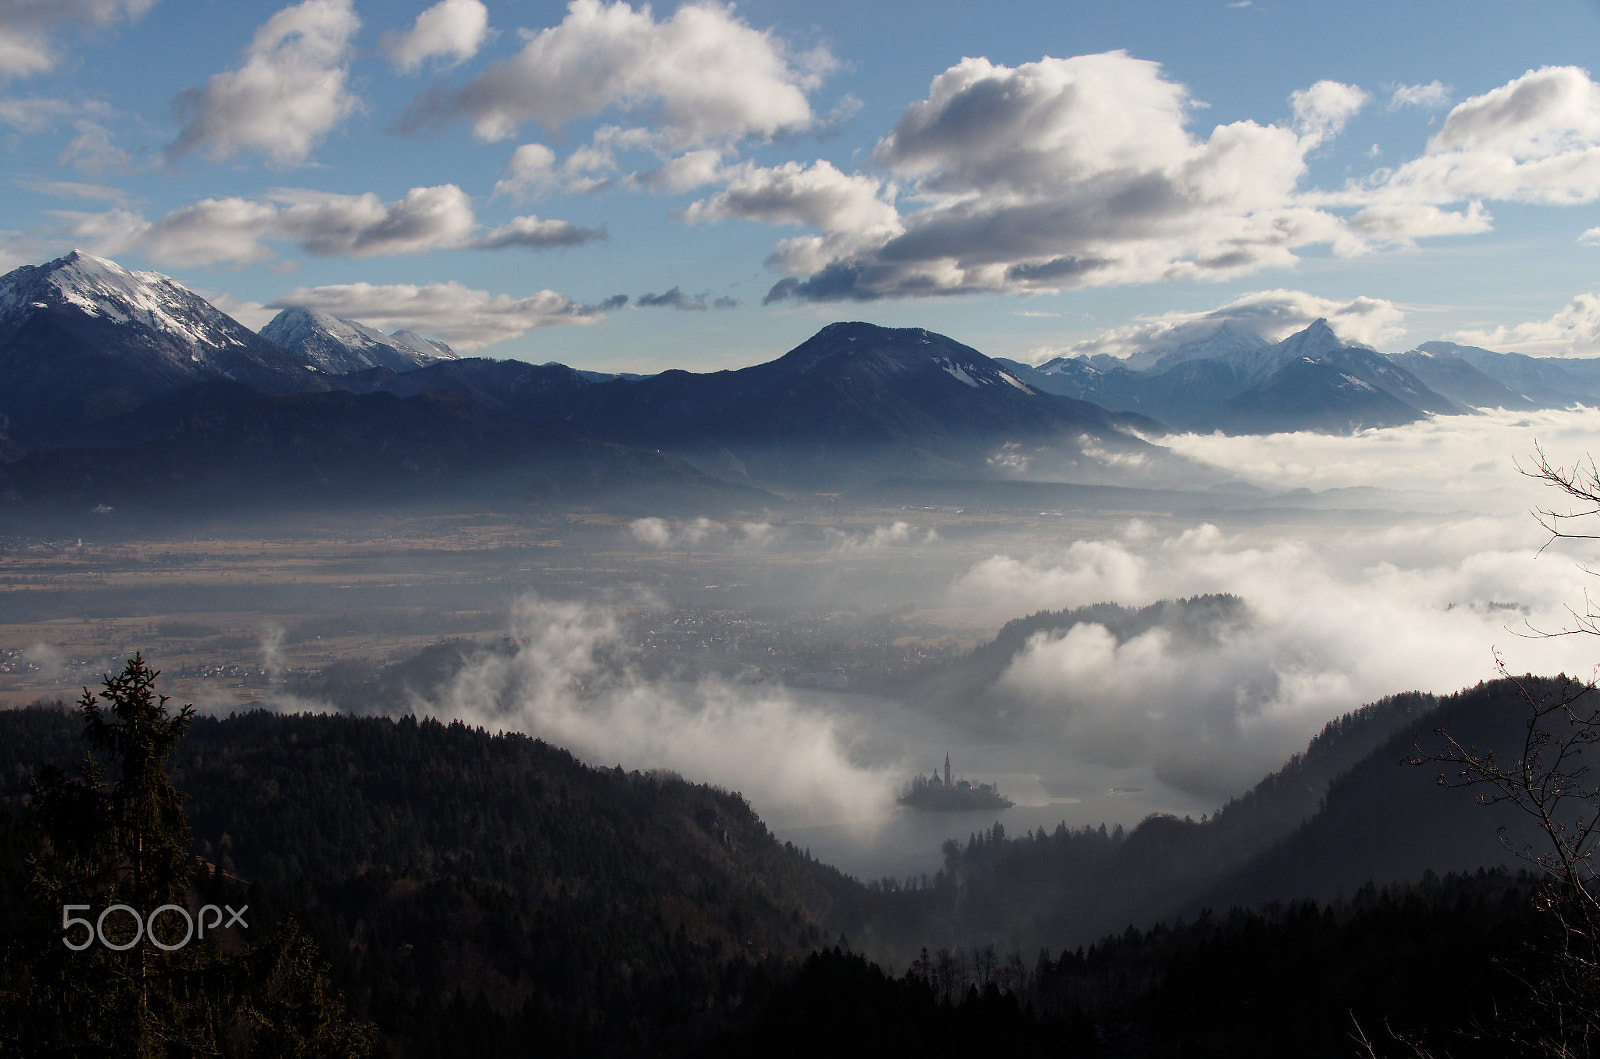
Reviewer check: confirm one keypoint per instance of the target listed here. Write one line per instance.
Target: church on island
(934, 792)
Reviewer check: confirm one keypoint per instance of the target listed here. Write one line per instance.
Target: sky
(705, 185)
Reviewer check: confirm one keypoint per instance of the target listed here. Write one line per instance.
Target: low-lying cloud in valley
(570, 682)
(1367, 604)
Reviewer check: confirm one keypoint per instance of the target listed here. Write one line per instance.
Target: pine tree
(139, 987)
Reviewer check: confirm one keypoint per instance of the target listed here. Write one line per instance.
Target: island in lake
(944, 793)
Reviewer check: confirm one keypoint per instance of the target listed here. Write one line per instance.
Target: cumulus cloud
(1084, 172)
(467, 319)
(1590, 237)
(235, 231)
(1535, 139)
(533, 234)
(532, 170)
(701, 76)
(28, 28)
(786, 758)
(816, 194)
(1078, 172)
(1271, 314)
(853, 212)
(365, 226)
(1435, 95)
(286, 97)
(451, 29)
(1573, 331)
(1324, 109)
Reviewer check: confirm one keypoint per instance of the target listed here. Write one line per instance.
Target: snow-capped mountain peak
(83, 340)
(338, 345)
(101, 288)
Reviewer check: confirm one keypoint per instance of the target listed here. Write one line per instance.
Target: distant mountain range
(1239, 383)
(131, 367)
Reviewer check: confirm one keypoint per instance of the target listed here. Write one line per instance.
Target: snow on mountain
(101, 288)
(83, 341)
(338, 345)
(426, 346)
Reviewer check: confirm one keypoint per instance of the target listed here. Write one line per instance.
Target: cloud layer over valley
(1417, 586)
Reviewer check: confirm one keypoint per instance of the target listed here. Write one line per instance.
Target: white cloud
(1457, 457)
(27, 28)
(289, 94)
(1590, 237)
(1573, 331)
(253, 315)
(531, 170)
(816, 194)
(877, 539)
(1535, 139)
(788, 759)
(1406, 222)
(1271, 314)
(212, 231)
(1341, 614)
(699, 533)
(854, 212)
(691, 170)
(1435, 95)
(1324, 109)
(1076, 172)
(532, 233)
(1083, 172)
(365, 226)
(450, 29)
(701, 76)
(236, 231)
(465, 318)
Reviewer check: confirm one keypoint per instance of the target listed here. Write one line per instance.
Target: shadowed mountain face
(339, 448)
(1545, 382)
(83, 341)
(853, 401)
(1445, 371)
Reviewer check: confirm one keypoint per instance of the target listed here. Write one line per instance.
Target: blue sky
(704, 186)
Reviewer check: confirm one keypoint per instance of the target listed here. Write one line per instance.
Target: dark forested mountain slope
(582, 907)
(1384, 820)
(246, 451)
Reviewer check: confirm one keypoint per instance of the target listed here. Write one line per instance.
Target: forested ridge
(475, 893)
